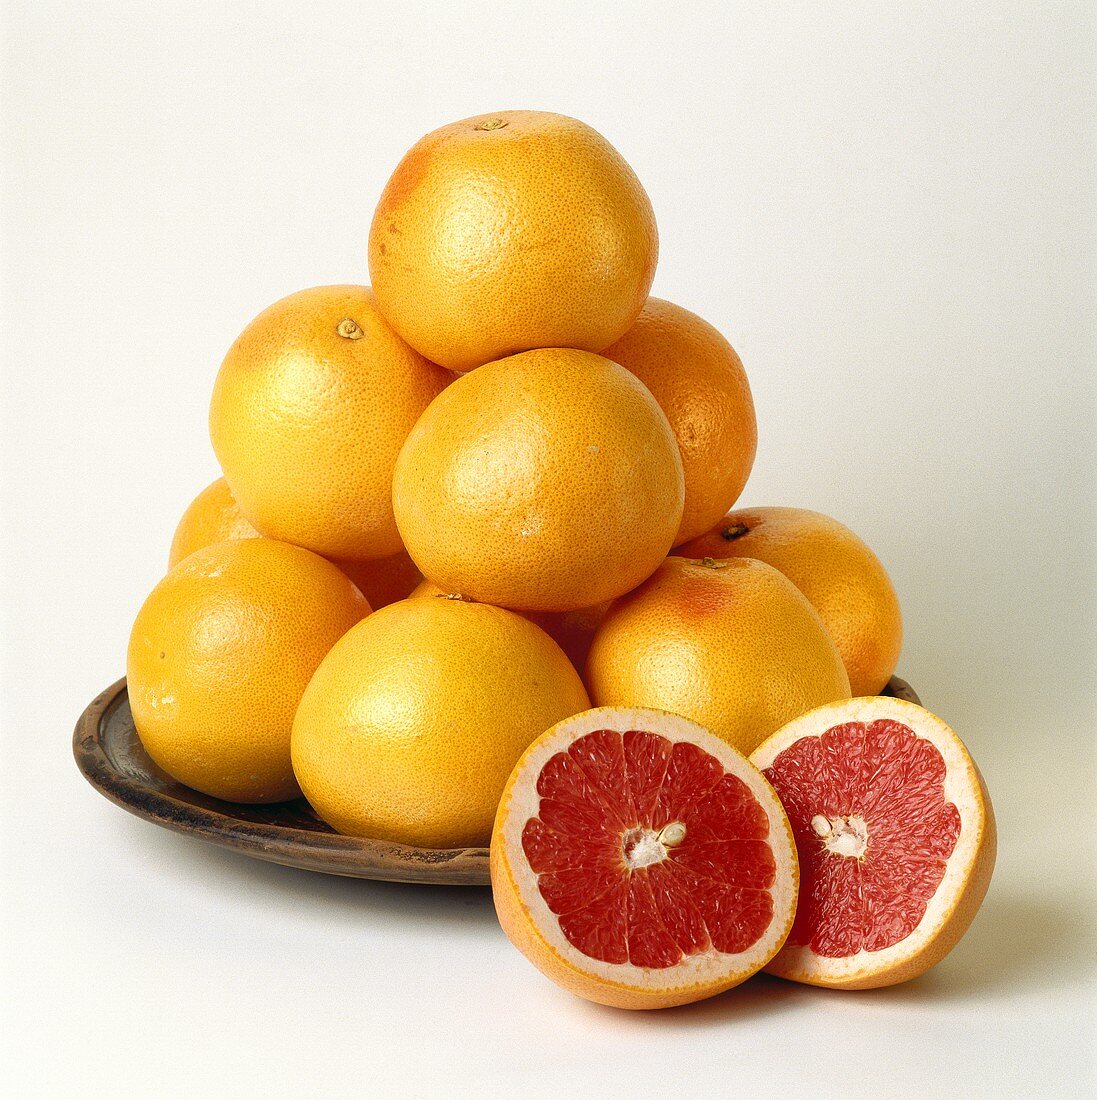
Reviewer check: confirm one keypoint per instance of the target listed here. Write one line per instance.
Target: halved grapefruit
(641, 862)
(896, 840)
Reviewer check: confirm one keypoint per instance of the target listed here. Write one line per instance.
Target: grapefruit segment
(640, 861)
(895, 835)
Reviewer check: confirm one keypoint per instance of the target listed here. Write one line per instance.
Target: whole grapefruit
(219, 656)
(413, 722)
(732, 645)
(310, 409)
(841, 577)
(214, 516)
(699, 382)
(548, 481)
(512, 231)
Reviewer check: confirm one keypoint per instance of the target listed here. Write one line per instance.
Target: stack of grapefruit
(472, 572)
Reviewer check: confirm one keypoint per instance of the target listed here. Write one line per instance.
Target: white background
(888, 207)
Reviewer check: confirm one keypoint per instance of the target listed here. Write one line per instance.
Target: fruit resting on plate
(219, 656)
(413, 722)
(641, 862)
(896, 839)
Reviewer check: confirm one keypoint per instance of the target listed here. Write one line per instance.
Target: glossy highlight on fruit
(640, 861)
(511, 231)
(213, 516)
(412, 724)
(896, 839)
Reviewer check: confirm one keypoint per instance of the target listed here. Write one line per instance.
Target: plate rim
(317, 850)
(327, 852)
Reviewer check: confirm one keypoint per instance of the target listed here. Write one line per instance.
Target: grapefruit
(732, 645)
(383, 580)
(641, 862)
(548, 481)
(310, 409)
(412, 724)
(219, 656)
(699, 382)
(572, 631)
(896, 837)
(512, 231)
(214, 516)
(841, 577)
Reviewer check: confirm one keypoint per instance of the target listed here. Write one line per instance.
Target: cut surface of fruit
(640, 861)
(896, 839)
(220, 654)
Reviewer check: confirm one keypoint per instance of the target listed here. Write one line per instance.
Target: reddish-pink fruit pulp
(873, 831)
(648, 851)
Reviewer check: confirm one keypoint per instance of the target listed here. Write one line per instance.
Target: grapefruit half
(896, 840)
(641, 862)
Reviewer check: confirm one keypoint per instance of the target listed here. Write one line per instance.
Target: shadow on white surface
(1016, 942)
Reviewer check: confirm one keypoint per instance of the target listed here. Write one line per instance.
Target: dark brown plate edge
(328, 853)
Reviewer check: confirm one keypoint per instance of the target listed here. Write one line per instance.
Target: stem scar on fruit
(736, 531)
(491, 124)
(349, 329)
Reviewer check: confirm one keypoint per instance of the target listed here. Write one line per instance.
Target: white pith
(705, 967)
(961, 787)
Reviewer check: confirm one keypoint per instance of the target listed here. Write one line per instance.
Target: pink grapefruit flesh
(640, 861)
(895, 838)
